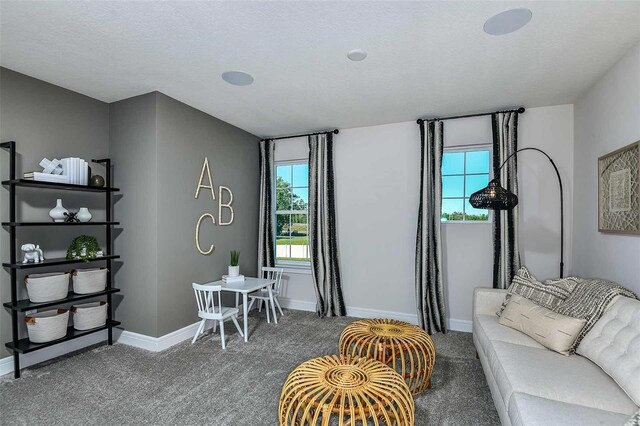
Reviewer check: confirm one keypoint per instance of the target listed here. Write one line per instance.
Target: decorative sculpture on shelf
(51, 166)
(32, 253)
(97, 181)
(71, 217)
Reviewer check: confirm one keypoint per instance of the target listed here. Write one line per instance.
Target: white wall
(377, 185)
(607, 117)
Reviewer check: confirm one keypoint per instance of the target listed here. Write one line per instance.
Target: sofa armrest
(487, 301)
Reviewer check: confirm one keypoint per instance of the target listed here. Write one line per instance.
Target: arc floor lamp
(495, 197)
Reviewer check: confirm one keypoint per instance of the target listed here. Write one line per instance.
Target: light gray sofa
(532, 385)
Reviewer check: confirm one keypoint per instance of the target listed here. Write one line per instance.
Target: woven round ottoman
(339, 390)
(404, 347)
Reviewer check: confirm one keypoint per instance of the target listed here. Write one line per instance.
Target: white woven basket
(47, 326)
(89, 315)
(47, 287)
(87, 281)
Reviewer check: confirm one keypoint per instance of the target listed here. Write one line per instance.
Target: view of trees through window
(463, 173)
(292, 200)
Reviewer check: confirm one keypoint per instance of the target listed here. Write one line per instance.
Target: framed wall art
(619, 191)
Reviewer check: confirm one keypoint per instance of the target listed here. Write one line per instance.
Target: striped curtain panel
(506, 252)
(323, 246)
(429, 291)
(265, 228)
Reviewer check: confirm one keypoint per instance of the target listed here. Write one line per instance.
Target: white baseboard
(460, 325)
(297, 305)
(304, 305)
(32, 358)
(154, 344)
(157, 344)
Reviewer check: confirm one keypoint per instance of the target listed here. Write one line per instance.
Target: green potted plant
(84, 247)
(234, 268)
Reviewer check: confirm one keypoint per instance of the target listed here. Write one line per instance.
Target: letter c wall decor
(213, 219)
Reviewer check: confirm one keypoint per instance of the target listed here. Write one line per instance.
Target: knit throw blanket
(588, 300)
(634, 420)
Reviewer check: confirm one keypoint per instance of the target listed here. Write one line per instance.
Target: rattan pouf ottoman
(344, 391)
(404, 347)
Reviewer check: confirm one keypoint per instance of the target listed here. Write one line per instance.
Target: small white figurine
(32, 253)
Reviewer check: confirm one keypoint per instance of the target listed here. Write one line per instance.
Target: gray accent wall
(46, 121)
(158, 146)
(133, 151)
(185, 137)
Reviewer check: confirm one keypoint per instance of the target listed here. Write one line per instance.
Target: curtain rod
(421, 120)
(334, 131)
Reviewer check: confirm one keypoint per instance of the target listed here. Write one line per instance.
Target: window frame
(468, 148)
(294, 265)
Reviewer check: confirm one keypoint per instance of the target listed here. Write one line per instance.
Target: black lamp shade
(494, 197)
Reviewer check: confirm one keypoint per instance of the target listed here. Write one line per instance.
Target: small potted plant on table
(234, 269)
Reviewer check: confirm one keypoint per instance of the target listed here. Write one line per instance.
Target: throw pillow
(551, 329)
(614, 345)
(634, 420)
(550, 293)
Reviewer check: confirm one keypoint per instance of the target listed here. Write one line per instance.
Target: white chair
(206, 297)
(263, 295)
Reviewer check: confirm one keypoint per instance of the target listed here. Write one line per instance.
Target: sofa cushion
(546, 374)
(551, 329)
(614, 344)
(487, 301)
(550, 293)
(530, 410)
(487, 328)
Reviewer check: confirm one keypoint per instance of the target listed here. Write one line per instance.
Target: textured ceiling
(425, 58)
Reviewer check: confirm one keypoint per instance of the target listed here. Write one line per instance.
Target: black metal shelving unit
(22, 346)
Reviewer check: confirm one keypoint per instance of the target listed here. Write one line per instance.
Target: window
(464, 171)
(292, 224)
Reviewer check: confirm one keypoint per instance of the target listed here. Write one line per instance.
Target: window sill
(295, 269)
(465, 222)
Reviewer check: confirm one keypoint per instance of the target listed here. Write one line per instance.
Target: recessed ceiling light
(357, 55)
(507, 22)
(237, 78)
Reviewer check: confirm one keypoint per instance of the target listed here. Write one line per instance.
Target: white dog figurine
(32, 253)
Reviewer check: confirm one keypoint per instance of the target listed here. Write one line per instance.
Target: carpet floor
(202, 384)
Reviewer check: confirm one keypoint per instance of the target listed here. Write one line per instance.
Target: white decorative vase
(84, 215)
(57, 213)
(234, 271)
